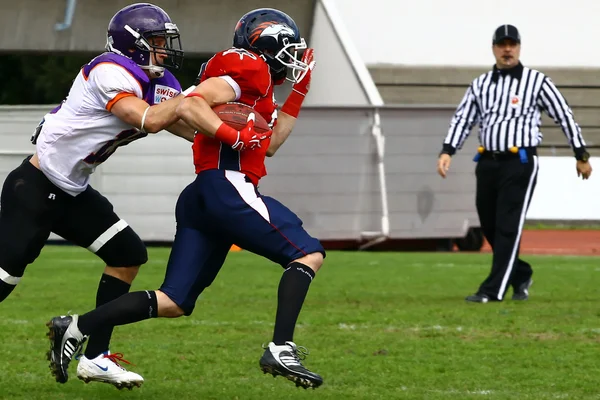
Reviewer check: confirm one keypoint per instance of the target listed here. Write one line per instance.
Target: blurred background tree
(45, 78)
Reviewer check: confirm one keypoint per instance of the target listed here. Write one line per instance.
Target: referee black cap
(506, 32)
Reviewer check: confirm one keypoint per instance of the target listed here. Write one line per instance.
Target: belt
(523, 153)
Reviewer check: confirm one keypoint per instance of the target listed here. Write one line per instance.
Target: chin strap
(155, 70)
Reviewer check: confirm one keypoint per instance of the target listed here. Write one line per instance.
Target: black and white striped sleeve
(553, 102)
(467, 114)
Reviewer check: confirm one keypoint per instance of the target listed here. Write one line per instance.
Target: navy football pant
(219, 209)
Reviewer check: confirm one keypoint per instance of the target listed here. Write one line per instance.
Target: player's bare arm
(196, 110)
(183, 130)
(285, 125)
(150, 119)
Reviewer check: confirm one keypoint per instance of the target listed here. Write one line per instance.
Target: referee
(507, 103)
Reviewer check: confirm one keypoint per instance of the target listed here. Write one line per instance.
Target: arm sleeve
(234, 85)
(467, 114)
(113, 82)
(555, 105)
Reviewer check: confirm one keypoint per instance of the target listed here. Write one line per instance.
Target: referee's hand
(443, 164)
(584, 169)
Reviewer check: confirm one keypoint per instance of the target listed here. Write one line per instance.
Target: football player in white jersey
(120, 96)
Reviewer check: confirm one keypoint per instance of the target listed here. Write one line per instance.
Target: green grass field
(379, 326)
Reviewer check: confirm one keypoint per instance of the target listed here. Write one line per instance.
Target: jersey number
(241, 52)
(122, 139)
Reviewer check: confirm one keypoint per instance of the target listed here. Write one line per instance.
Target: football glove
(300, 89)
(246, 138)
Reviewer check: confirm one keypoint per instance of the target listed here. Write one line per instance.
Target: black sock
(292, 291)
(127, 309)
(109, 288)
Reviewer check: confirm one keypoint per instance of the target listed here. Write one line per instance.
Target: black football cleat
(478, 298)
(65, 342)
(522, 291)
(285, 360)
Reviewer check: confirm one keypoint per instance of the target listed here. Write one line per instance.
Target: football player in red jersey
(222, 206)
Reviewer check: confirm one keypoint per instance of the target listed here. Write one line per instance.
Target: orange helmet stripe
(255, 34)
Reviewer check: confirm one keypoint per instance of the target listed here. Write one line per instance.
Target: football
(236, 116)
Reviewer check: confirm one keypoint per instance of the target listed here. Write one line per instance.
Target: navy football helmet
(274, 35)
(130, 30)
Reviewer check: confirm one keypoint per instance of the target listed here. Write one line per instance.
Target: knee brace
(14, 258)
(125, 249)
(7, 284)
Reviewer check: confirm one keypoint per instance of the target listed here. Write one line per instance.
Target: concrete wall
(446, 85)
(206, 26)
(326, 173)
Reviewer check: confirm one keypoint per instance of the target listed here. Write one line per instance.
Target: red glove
(303, 85)
(246, 138)
(300, 89)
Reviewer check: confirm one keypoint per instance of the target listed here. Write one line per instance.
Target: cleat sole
(118, 385)
(54, 369)
(300, 382)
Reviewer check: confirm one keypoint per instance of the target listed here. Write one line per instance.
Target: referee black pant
(505, 184)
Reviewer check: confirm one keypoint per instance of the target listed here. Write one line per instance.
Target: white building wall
(459, 32)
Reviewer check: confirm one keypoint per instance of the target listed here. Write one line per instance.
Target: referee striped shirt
(507, 104)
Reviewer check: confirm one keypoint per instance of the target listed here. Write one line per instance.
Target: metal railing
(69, 14)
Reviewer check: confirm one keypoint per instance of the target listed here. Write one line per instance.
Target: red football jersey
(250, 77)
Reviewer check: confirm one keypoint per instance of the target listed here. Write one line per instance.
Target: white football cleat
(106, 368)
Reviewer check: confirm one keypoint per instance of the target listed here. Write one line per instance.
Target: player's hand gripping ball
(251, 127)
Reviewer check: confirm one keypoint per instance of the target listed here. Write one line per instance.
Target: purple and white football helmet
(129, 32)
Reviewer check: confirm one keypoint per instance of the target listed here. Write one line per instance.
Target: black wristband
(581, 154)
(448, 149)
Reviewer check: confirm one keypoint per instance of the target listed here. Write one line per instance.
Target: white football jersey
(82, 132)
